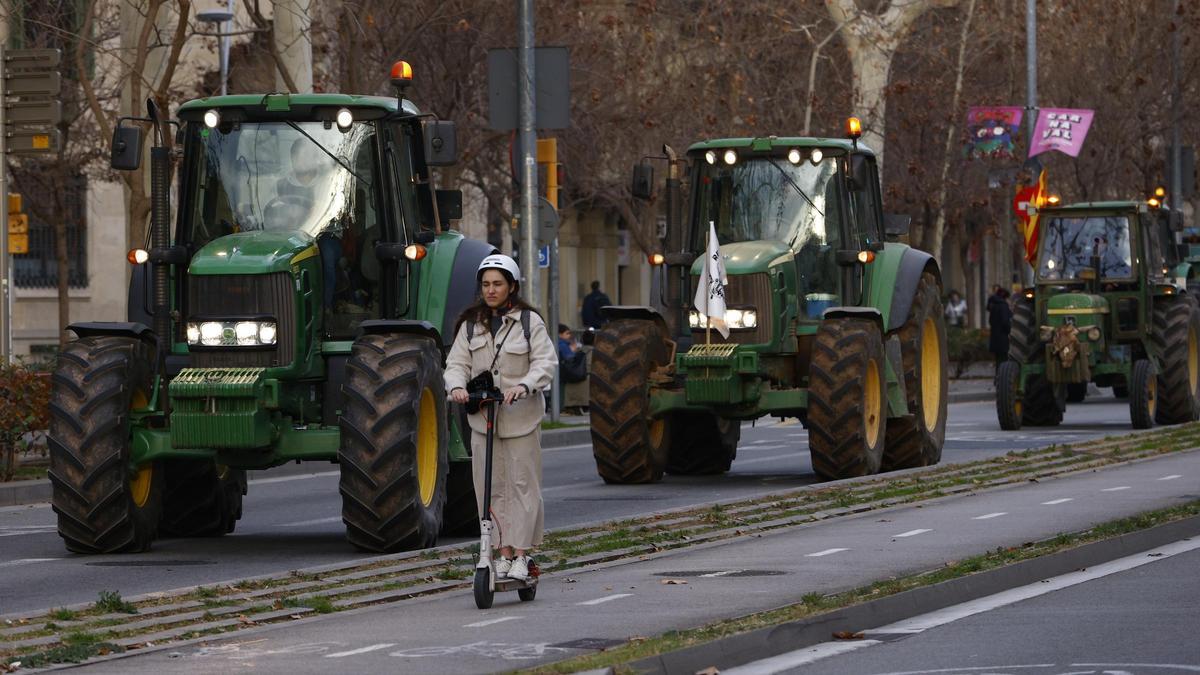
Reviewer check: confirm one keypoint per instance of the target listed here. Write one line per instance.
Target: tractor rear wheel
(1176, 333)
(702, 443)
(104, 503)
(917, 439)
(393, 455)
(1143, 396)
(201, 498)
(628, 444)
(460, 517)
(1041, 403)
(1008, 406)
(847, 402)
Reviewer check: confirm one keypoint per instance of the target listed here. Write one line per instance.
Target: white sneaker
(520, 568)
(503, 567)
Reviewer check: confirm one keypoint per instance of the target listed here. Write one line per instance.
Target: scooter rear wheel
(527, 594)
(483, 588)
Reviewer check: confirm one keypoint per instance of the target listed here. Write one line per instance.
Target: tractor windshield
(769, 198)
(282, 177)
(1070, 245)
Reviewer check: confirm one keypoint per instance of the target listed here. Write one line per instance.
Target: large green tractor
(832, 320)
(298, 310)
(1110, 306)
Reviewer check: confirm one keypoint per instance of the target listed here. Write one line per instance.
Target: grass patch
(206, 592)
(63, 614)
(111, 602)
(321, 605)
(815, 603)
(69, 653)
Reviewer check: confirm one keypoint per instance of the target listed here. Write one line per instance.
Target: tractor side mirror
(895, 225)
(643, 181)
(449, 205)
(126, 148)
(441, 148)
(860, 173)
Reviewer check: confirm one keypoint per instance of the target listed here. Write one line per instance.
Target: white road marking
(765, 447)
(911, 533)
(719, 574)
(285, 479)
(567, 447)
(803, 435)
(1052, 502)
(25, 561)
(764, 459)
(941, 617)
(986, 516)
(488, 622)
(1116, 489)
(362, 650)
(316, 521)
(607, 598)
(1171, 477)
(828, 551)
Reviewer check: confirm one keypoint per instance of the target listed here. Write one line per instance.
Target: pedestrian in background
(956, 310)
(491, 338)
(999, 323)
(592, 302)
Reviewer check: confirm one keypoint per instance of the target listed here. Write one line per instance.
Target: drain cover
(589, 643)
(150, 563)
(718, 574)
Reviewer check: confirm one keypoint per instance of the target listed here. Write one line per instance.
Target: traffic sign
(33, 58)
(32, 83)
(544, 257)
(18, 244)
(47, 112)
(33, 140)
(18, 223)
(547, 221)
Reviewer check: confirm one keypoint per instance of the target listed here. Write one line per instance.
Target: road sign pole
(5, 258)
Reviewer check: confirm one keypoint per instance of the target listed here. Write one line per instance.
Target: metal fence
(39, 267)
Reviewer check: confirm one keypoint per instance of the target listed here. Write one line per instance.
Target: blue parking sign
(544, 257)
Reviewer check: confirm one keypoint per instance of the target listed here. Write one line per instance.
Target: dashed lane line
(723, 573)
(607, 598)
(287, 479)
(316, 521)
(1171, 477)
(828, 551)
(988, 516)
(361, 650)
(911, 533)
(1052, 502)
(489, 622)
(26, 561)
(1116, 489)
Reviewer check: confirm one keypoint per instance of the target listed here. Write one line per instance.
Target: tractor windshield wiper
(332, 156)
(797, 187)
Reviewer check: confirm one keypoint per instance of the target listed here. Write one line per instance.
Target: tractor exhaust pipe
(160, 236)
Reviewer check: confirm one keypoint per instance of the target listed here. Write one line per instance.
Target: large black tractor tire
(200, 498)
(628, 444)
(1143, 395)
(1042, 406)
(1076, 392)
(393, 455)
(1176, 334)
(916, 439)
(847, 400)
(104, 504)
(702, 443)
(460, 517)
(1008, 406)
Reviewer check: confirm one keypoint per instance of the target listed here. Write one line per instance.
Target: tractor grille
(245, 295)
(746, 290)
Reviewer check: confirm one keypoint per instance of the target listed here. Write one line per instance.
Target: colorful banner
(991, 131)
(1060, 129)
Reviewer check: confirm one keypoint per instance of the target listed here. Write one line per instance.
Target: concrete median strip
(283, 597)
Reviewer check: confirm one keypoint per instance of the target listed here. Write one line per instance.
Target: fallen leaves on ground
(673, 582)
(848, 635)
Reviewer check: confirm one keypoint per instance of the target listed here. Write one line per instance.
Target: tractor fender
(131, 329)
(851, 312)
(912, 265)
(640, 312)
(397, 326)
(464, 282)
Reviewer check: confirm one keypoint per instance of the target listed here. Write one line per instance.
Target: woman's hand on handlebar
(513, 393)
(459, 395)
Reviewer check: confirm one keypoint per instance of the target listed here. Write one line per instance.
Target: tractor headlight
(231, 333)
(694, 319)
(1094, 333)
(734, 318)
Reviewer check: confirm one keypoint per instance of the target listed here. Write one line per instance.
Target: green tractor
(1110, 306)
(832, 320)
(299, 311)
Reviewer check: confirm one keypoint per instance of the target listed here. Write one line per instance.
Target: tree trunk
(62, 266)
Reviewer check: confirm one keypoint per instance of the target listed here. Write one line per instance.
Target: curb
(781, 639)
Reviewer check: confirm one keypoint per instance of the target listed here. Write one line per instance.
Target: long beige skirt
(517, 511)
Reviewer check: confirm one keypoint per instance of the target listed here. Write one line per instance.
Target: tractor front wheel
(393, 455)
(1043, 405)
(201, 498)
(847, 403)
(1143, 397)
(702, 444)
(104, 503)
(917, 439)
(1008, 404)
(628, 444)
(1176, 333)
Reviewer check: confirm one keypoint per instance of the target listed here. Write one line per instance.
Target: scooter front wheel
(483, 588)
(527, 594)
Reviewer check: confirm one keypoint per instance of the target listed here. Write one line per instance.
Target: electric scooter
(486, 583)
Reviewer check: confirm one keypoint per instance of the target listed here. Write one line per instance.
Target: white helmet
(499, 261)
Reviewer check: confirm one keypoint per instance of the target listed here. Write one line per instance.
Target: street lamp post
(221, 18)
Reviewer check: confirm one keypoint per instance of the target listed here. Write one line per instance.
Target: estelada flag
(1025, 205)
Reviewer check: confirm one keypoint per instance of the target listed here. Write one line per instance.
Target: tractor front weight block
(720, 375)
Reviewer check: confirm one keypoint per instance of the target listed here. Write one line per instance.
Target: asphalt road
(294, 521)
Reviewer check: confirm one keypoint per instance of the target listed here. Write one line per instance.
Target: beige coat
(517, 508)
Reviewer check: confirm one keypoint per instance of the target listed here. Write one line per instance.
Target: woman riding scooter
(505, 337)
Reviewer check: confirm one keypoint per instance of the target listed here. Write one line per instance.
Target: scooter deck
(506, 585)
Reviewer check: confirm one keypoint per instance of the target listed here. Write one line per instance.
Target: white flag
(710, 292)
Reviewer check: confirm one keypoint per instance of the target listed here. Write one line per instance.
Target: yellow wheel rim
(872, 405)
(657, 431)
(1193, 360)
(1017, 408)
(139, 487)
(931, 374)
(427, 447)
(1152, 395)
